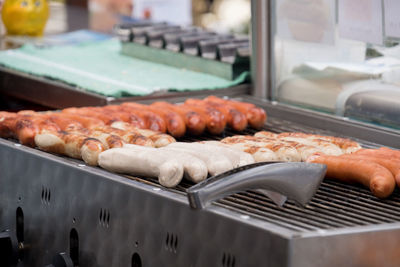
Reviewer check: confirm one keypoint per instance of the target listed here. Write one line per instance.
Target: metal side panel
(356, 247)
(114, 217)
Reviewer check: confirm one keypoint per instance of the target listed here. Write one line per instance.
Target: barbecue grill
(57, 211)
(59, 207)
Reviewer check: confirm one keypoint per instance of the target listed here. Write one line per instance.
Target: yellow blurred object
(25, 17)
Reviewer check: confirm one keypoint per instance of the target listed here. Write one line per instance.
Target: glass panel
(334, 56)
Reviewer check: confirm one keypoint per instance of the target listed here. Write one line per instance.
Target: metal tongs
(294, 180)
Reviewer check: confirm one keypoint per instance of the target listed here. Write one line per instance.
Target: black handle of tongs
(297, 180)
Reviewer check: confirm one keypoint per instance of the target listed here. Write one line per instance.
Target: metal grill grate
(335, 205)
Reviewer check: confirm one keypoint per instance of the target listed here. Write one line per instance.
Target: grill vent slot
(136, 260)
(45, 195)
(104, 218)
(228, 260)
(171, 242)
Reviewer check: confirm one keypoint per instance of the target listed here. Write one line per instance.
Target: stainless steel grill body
(115, 219)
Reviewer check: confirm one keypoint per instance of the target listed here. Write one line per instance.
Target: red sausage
(195, 124)
(175, 124)
(215, 120)
(256, 117)
(373, 175)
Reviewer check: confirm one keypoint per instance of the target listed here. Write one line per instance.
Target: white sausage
(195, 169)
(147, 163)
(216, 162)
(244, 157)
(233, 156)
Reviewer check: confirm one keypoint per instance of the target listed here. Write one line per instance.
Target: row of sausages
(194, 116)
(289, 146)
(75, 135)
(346, 160)
(169, 164)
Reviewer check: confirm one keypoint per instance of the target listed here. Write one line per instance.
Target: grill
(335, 205)
(55, 206)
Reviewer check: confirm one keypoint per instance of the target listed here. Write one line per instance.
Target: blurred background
(100, 15)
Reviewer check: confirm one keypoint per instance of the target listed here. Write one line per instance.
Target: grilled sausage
(65, 123)
(195, 124)
(256, 117)
(152, 120)
(93, 113)
(381, 152)
(130, 137)
(7, 123)
(175, 124)
(266, 134)
(322, 145)
(373, 175)
(391, 152)
(159, 139)
(107, 139)
(124, 115)
(234, 118)
(392, 164)
(347, 145)
(215, 120)
(87, 122)
(70, 144)
(27, 126)
(239, 158)
(147, 163)
(195, 169)
(263, 149)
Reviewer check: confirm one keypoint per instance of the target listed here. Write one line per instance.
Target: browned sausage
(125, 116)
(175, 124)
(385, 153)
(373, 175)
(392, 164)
(130, 137)
(235, 119)
(215, 120)
(70, 144)
(93, 113)
(159, 139)
(7, 122)
(256, 117)
(347, 145)
(152, 120)
(195, 124)
(87, 122)
(25, 128)
(65, 123)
